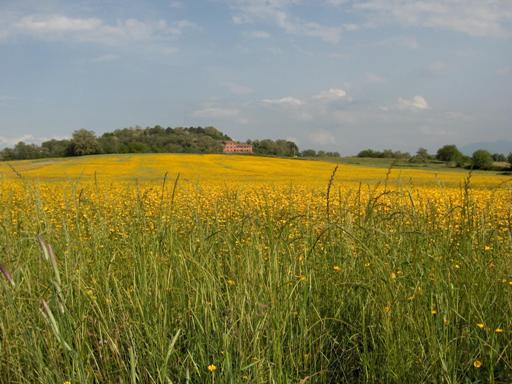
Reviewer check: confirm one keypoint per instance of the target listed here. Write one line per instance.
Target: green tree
(138, 147)
(499, 157)
(56, 148)
(369, 153)
(422, 156)
(509, 159)
(309, 153)
(449, 153)
(7, 154)
(84, 142)
(422, 153)
(109, 143)
(481, 159)
(28, 151)
(276, 148)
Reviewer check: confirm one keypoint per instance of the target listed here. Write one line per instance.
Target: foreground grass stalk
(253, 285)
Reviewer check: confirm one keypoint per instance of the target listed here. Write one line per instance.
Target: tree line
(143, 140)
(450, 154)
(210, 140)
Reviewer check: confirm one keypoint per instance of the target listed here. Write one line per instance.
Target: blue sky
(330, 74)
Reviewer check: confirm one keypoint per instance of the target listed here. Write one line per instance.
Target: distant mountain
(503, 146)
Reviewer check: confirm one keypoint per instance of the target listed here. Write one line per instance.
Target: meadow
(243, 269)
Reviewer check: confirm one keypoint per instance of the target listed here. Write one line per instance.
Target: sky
(339, 75)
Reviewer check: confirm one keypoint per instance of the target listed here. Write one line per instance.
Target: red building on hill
(234, 147)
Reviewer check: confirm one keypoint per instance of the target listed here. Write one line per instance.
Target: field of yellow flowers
(243, 269)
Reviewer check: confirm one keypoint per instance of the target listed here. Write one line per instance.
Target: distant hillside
(503, 146)
(143, 140)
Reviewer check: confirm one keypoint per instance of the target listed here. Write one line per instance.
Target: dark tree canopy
(481, 159)
(313, 153)
(421, 156)
(385, 154)
(499, 157)
(83, 143)
(136, 139)
(23, 151)
(163, 140)
(449, 153)
(276, 148)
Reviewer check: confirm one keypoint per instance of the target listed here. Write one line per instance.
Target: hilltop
(155, 139)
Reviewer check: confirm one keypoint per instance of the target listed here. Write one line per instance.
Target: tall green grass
(380, 294)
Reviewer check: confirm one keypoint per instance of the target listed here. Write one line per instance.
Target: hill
(142, 140)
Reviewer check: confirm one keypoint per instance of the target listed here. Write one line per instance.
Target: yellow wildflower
(212, 368)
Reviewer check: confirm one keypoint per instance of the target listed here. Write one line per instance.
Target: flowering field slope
(233, 168)
(212, 268)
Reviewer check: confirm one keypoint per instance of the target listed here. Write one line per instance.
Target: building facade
(234, 147)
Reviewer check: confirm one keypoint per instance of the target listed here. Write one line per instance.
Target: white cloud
(344, 116)
(416, 103)
(454, 115)
(472, 17)
(4, 33)
(332, 94)
(287, 102)
(351, 27)
(6, 99)
(176, 4)
(437, 67)
(322, 137)
(340, 55)
(505, 71)
(432, 130)
(9, 141)
(105, 58)
(57, 24)
(238, 19)
(328, 34)
(260, 34)
(237, 89)
(276, 12)
(374, 78)
(304, 116)
(466, 52)
(409, 42)
(276, 51)
(337, 2)
(95, 30)
(216, 112)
